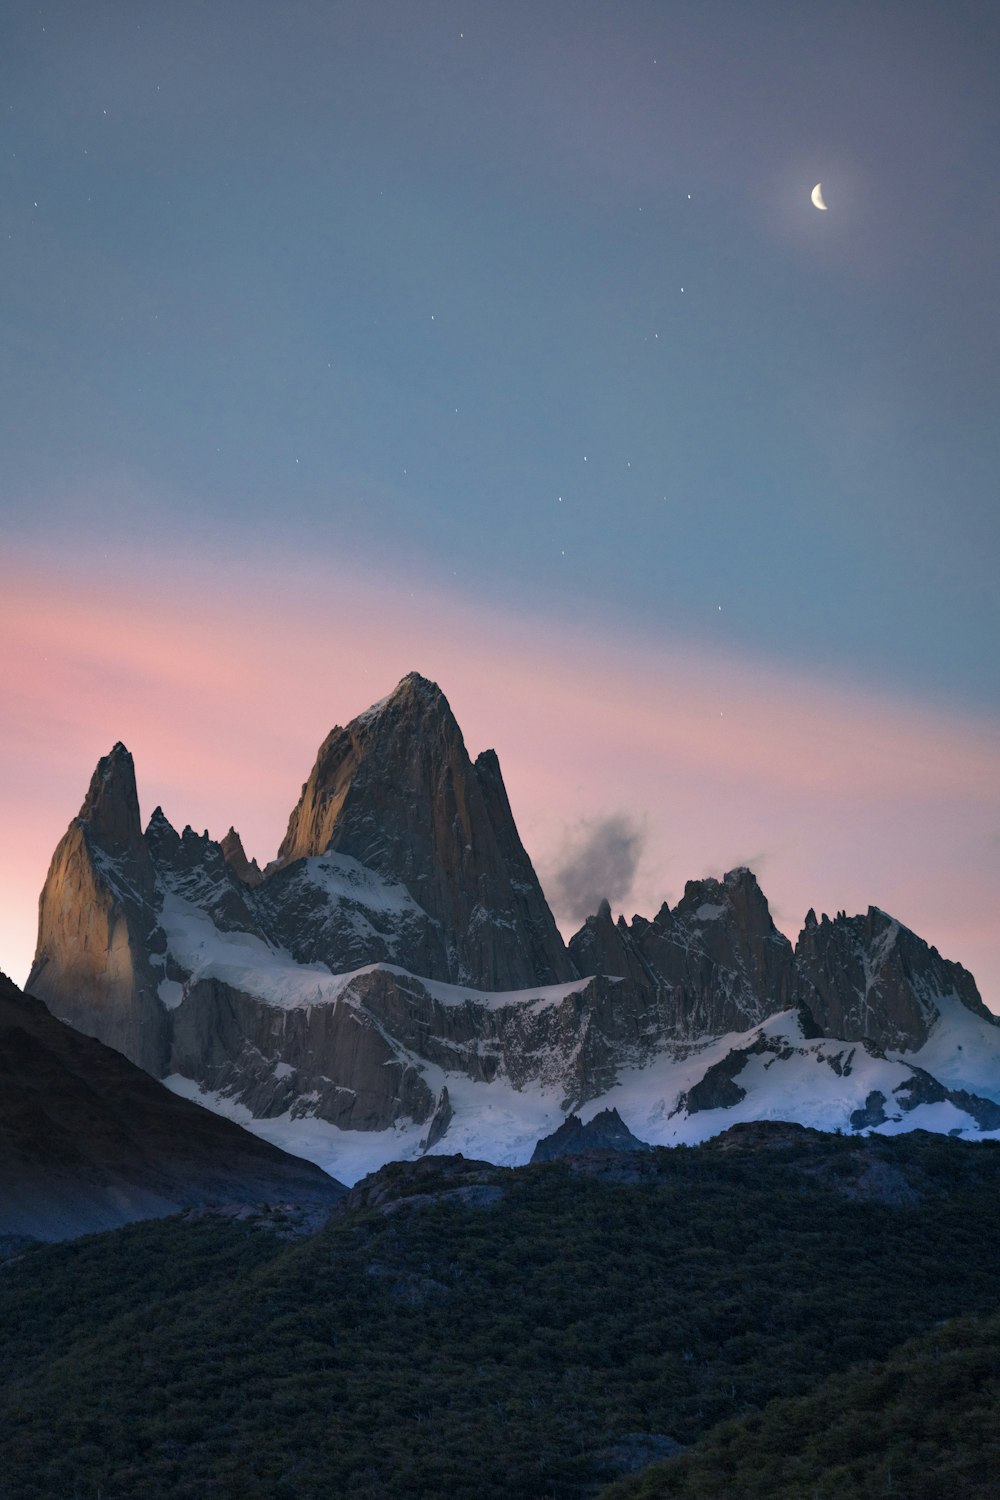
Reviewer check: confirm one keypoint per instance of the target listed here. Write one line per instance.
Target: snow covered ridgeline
(682, 1095)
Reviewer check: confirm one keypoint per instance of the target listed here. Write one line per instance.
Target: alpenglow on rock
(396, 970)
(397, 792)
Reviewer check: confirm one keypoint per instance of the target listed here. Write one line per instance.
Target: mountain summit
(394, 982)
(397, 791)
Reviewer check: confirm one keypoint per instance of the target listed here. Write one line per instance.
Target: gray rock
(716, 963)
(397, 791)
(606, 1131)
(870, 978)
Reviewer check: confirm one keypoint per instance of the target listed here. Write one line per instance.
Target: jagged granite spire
(111, 807)
(715, 963)
(96, 919)
(397, 791)
(234, 854)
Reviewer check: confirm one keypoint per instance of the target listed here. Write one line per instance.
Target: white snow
(170, 992)
(498, 1123)
(708, 911)
(962, 1051)
(257, 968)
(243, 961)
(346, 879)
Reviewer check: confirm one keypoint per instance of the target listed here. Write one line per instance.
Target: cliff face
(871, 977)
(397, 792)
(716, 963)
(97, 923)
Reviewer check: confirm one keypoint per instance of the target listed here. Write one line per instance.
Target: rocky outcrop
(606, 1131)
(234, 854)
(716, 963)
(97, 928)
(870, 978)
(88, 1141)
(397, 792)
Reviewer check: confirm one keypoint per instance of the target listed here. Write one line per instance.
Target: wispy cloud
(599, 863)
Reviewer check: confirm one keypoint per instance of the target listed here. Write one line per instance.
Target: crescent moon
(817, 196)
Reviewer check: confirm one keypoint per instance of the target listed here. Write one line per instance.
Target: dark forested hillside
(921, 1425)
(464, 1330)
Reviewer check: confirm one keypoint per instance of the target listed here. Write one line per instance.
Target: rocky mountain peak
(234, 854)
(110, 809)
(870, 977)
(396, 790)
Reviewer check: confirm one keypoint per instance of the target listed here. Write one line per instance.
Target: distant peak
(416, 689)
(111, 806)
(234, 854)
(412, 691)
(414, 683)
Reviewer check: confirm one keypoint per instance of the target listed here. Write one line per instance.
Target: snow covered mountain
(394, 981)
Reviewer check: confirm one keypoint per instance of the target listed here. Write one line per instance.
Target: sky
(503, 342)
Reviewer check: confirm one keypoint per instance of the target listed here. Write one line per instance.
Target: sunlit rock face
(397, 792)
(97, 924)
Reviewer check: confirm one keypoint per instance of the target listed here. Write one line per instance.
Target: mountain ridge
(398, 965)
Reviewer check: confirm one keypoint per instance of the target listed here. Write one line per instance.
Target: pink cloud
(223, 680)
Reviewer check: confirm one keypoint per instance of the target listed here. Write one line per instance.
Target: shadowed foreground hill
(481, 1333)
(89, 1141)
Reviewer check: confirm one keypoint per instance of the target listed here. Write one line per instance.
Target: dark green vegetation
(462, 1331)
(923, 1425)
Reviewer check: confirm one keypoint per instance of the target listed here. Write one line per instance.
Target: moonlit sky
(502, 342)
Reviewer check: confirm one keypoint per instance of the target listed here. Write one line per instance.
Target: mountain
(394, 982)
(89, 1141)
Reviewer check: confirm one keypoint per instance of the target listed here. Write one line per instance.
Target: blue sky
(394, 278)
(524, 309)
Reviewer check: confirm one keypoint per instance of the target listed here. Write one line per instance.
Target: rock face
(396, 969)
(88, 1141)
(97, 923)
(397, 792)
(715, 963)
(606, 1131)
(870, 978)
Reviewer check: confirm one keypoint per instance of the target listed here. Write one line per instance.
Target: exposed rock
(429, 1180)
(716, 1089)
(234, 854)
(922, 1088)
(872, 1114)
(97, 923)
(764, 1135)
(606, 1131)
(440, 1120)
(88, 1141)
(396, 790)
(716, 963)
(869, 977)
